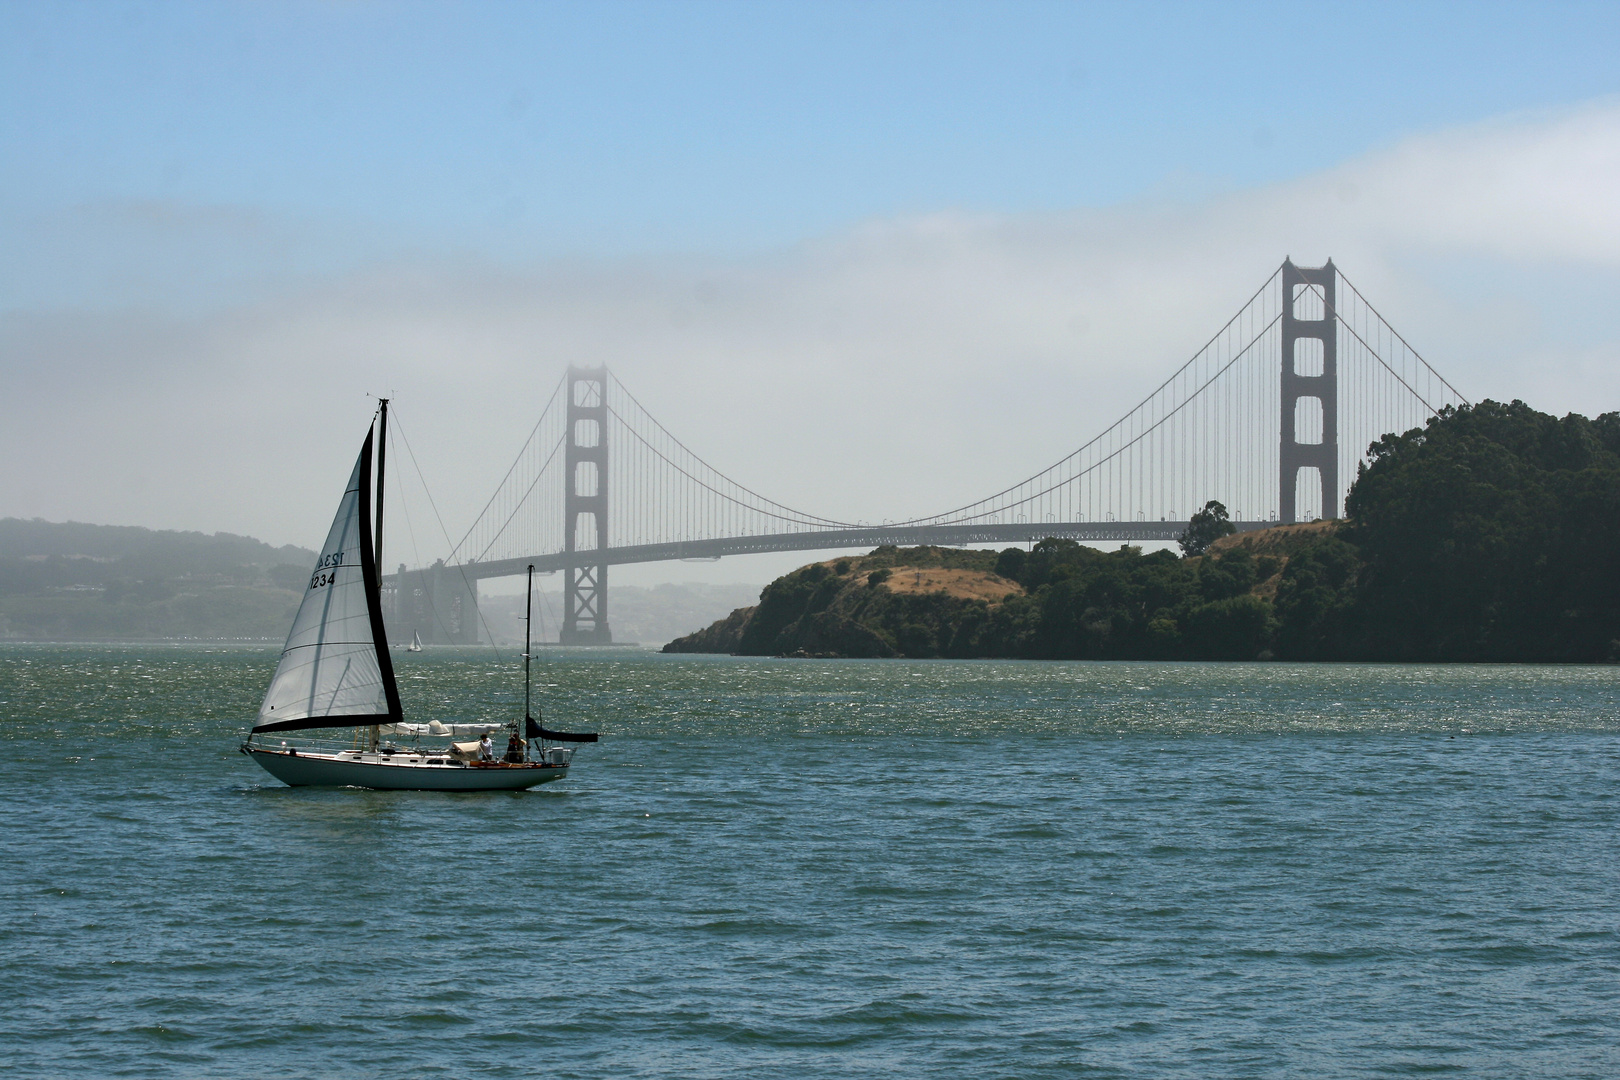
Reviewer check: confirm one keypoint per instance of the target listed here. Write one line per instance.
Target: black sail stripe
(368, 570)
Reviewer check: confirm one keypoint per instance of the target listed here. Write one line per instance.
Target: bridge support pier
(440, 603)
(1292, 455)
(585, 510)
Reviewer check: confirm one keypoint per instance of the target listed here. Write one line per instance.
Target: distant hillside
(164, 550)
(75, 582)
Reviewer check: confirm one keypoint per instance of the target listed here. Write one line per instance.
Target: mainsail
(335, 670)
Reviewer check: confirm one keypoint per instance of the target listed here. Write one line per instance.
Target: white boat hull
(399, 772)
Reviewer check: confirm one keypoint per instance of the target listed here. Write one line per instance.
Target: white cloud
(897, 368)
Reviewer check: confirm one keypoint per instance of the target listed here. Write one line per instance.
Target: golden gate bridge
(1270, 417)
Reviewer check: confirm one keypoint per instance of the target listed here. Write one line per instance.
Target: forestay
(335, 670)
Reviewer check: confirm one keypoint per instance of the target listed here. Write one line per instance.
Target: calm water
(824, 869)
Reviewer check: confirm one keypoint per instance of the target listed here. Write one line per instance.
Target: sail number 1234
(326, 570)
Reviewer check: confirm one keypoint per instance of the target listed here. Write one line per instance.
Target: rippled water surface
(823, 869)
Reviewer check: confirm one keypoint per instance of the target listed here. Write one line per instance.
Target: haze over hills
(70, 581)
(141, 549)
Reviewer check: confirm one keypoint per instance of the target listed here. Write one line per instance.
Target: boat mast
(528, 618)
(382, 455)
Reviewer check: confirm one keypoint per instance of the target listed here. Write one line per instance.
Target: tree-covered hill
(1488, 534)
(921, 601)
(75, 582)
(1060, 600)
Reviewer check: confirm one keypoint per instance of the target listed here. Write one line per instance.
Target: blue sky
(202, 204)
(524, 129)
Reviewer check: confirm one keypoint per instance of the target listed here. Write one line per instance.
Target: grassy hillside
(922, 601)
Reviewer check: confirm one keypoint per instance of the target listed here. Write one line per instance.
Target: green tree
(1316, 603)
(1235, 628)
(1486, 535)
(1207, 526)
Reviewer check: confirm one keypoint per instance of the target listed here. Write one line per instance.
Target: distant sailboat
(416, 642)
(335, 672)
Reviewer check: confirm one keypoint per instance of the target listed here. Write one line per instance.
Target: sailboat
(335, 672)
(416, 642)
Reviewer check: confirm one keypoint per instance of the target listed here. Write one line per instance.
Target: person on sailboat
(486, 748)
(514, 749)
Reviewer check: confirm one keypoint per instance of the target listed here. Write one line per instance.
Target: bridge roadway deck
(834, 539)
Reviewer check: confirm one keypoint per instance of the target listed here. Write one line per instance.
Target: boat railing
(429, 747)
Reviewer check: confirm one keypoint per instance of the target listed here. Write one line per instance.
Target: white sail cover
(331, 671)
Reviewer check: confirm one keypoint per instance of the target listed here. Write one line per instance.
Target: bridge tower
(1303, 378)
(585, 510)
